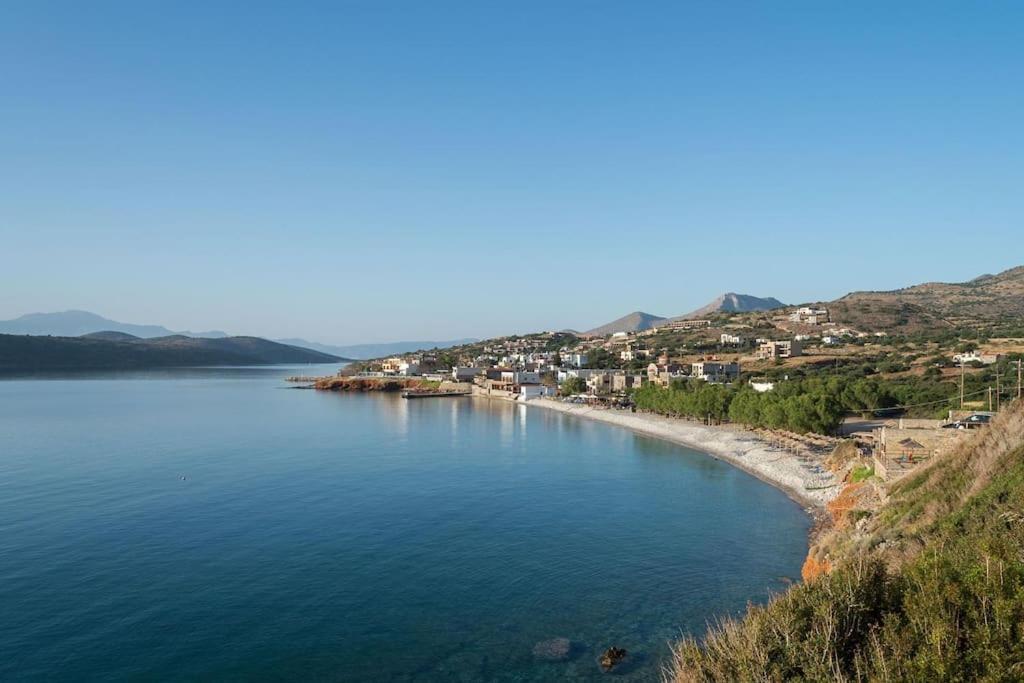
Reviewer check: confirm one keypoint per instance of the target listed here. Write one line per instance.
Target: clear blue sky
(372, 171)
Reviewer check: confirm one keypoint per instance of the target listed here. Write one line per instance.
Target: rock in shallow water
(554, 650)
(611, 657)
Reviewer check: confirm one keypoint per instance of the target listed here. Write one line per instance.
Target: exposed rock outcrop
(612, 657)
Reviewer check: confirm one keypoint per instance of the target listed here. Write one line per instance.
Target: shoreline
(736, 446)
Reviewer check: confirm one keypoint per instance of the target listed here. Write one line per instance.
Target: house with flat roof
(399, 366)
(623, 382)
(774, 350)
(576, 360)
(466, 374)
(663, 375)
(631, 353)
(391, 366)
(809, 316)
(685, 324)
(600, 383)
(976, 356)
(715, 371)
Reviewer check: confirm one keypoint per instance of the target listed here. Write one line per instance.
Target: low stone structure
(898, 451)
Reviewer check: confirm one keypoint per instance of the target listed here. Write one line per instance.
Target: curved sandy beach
(734, 445)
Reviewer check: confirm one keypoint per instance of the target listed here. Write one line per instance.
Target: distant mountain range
(108, 343)
(730, 302)
(77, 323)
(365, 351)
(986, 299)
(118, 350)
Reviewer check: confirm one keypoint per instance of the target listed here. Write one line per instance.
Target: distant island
(118, 350)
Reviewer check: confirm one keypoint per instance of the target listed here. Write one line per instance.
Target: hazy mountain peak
(75, 323)
(731, 302)
(636, 321)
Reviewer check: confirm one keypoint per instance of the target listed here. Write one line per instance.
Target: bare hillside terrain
(986, 299)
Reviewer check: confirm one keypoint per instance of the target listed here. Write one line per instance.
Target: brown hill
(986, 299)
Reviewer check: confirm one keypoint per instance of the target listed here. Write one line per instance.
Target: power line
(963, 395)
(927, 403)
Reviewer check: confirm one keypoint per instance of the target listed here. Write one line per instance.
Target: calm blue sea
(215, 525)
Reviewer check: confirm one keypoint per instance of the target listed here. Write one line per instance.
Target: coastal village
(893, 417)
(768, 352)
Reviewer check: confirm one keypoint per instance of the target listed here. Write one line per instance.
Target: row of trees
(809, 404)
(799, 406)
(805, 409)
(694, 398)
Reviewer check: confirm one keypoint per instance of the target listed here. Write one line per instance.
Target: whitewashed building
(715, 371)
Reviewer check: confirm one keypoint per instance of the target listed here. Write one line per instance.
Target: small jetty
(433, 394)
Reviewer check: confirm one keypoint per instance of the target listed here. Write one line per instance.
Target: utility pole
(961, 384)
(1019, 377)
(990, 399)
(998, 390)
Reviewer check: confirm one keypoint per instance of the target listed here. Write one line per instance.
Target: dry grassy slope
(901, 526)
(880, 313)
(928, 586)
(985, 299)
(907, 522)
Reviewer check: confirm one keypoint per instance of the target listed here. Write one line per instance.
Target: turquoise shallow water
(212, 525)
